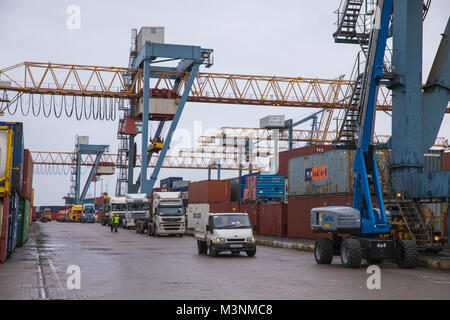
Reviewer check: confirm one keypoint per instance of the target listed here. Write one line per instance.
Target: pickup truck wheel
(212, 251)
(409, 254)
(251, 253)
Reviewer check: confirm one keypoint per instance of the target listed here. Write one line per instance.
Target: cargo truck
(76, 211)
(167, 215)
(88, 213)
(137, 208)
(222, 232)
(117, 206)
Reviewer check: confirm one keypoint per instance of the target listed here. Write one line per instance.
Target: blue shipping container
(167, 182)
(267, 186)
(13, 223)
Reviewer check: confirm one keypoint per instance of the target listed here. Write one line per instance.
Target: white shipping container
(152, 34)
(272, 122)
(83, 139)
(107, 170)
(158, 106)
(195, 215)
(3, 151)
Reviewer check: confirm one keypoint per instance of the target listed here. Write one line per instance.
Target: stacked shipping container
(16, 191)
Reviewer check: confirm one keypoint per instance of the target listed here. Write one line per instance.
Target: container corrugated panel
(299, 210)
(209, 191)
(224, 207)
(433, 161)
(273, 220)
(4, 214)
(446, 161)
(285, 156)
(324, 173)
(13, 222)
(6, 147)
(17, 161)
(24, 217)
(235, 185)
(180, 183)
(267, 186)
(252, 211)
(27, 184)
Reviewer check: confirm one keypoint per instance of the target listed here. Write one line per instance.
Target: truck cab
(168, 215)
(223, 232)
(117, 206)
(75, 214)
(137, 208)
(88, 213)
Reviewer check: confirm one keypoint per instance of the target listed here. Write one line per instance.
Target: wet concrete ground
(127, 265)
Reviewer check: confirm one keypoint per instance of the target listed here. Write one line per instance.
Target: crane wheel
(351, 253)
(408, 258)
(323, 251)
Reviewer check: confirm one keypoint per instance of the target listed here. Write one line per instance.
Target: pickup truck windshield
(119, 207)
(170, 211)
(231, 222)
(138, 206)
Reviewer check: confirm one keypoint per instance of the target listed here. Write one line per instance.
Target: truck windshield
(89, 210)
(231, 222)
(138, 206)
(170, 211)
(119, 207)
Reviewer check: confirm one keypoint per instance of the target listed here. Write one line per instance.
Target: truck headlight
(252, 239)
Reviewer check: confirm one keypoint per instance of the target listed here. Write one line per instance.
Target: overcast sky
(283, 38)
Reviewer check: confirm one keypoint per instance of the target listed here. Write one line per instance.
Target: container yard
(129, 181)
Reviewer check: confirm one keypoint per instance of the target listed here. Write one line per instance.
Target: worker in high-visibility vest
(115, 222)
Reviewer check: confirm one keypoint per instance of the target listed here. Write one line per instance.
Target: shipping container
(252, 211)
(27, 183)
(180, 184)
(235, 185)
(261, 186)
(273, 219)
(4, 226)
(6, 155)
(224, 207)
(325, 173)
(168, 182)
(17, 160)
(446, 161)
(13, 223)
(272, 122)
(299, 211)
(285, 156)
(209, 191)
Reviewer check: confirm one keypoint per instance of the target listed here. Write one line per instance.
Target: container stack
(16, 188)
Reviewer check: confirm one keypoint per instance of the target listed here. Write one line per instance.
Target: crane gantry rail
(52, 158)
(109, 82)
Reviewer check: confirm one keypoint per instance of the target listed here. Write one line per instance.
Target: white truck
(222, 232)
(118, 206)
(167, 215)
(138, 208)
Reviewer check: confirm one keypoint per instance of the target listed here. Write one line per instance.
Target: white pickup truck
(222, 232)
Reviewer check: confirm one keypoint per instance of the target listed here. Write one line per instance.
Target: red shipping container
(27, 178)
(4, 200)
(285, 156)
(446, 161)
(224, 207)
(273, 219)
(252, 211)
(209, 191)
(299, 211)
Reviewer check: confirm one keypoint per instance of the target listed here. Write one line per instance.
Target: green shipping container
(24, 218)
